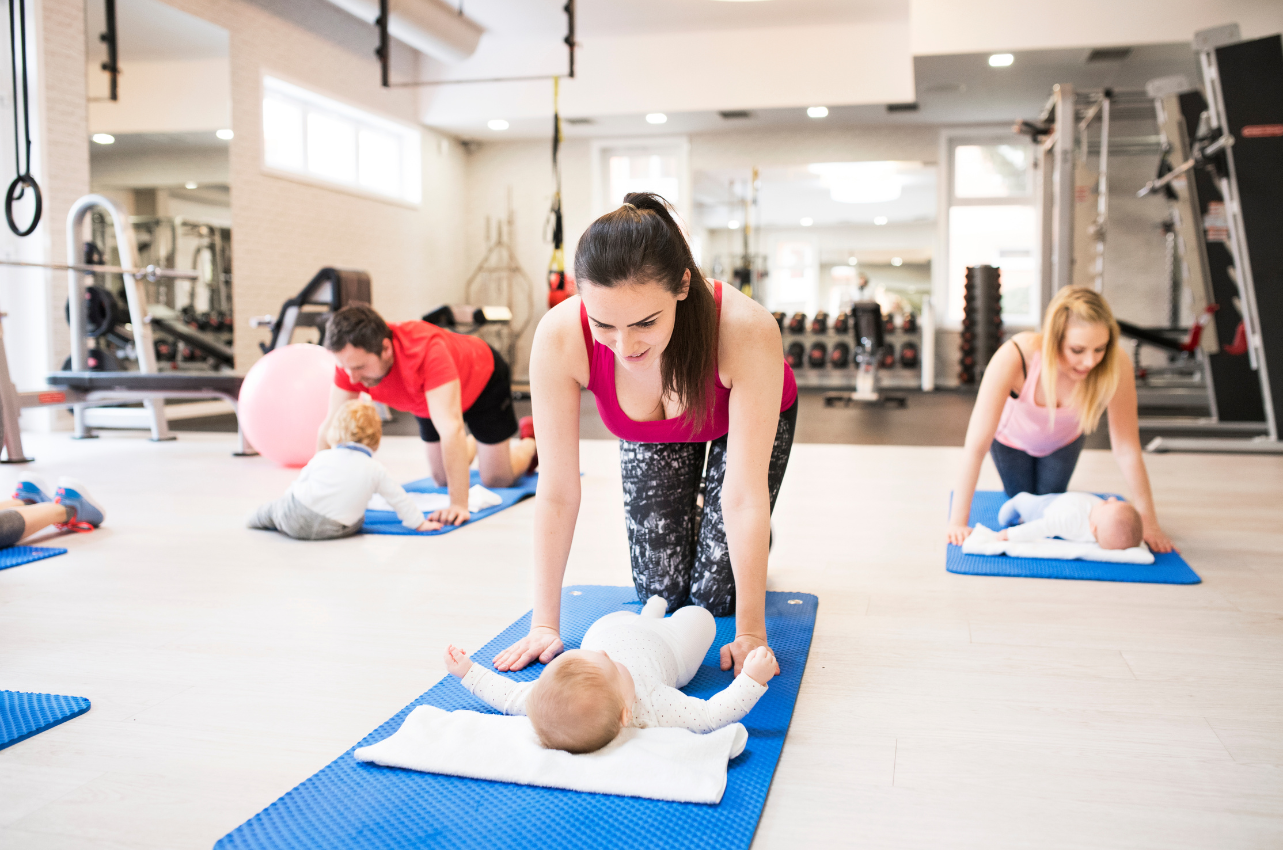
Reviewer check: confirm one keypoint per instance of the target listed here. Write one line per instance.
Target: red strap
(74, 525)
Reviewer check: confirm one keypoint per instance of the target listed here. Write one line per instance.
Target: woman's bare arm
(1124, 441)
(558, 368)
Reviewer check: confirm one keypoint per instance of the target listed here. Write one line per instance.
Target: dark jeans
(678, 550)
(1021, 472)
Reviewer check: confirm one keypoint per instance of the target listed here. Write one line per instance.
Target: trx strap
(557, 291)
(24, 180)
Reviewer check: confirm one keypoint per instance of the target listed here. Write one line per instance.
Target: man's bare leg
(503, 463)
(436, 461)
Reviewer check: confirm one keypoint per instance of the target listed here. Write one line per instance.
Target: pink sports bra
(601, 381)
(1024, 423)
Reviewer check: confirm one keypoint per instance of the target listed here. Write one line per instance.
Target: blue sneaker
(74, 495)
(32, 490)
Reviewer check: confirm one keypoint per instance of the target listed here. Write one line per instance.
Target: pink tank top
(601, 381)
(1024, 424)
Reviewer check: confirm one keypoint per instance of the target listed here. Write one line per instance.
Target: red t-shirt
(426, 357)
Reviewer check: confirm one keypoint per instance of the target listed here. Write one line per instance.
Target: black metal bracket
(385, 56)
(112, 65)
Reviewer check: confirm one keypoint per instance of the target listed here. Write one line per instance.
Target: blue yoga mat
(386, 522)
(23, 715)
(16, 556)
(358, 806)
(1168, 568)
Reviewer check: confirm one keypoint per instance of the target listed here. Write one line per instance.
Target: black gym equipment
(840, 356)
(981, 322)
(820, 323)
(818, 356)
(795, 354)
(909, 355)
(797, 324)
(909, 323)
(21, 116)
(325, 294)
(887, 360)
(841, 323)
(780, 316)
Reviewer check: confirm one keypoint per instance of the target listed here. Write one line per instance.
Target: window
(308, 135)
(992, 221)
(655, 165)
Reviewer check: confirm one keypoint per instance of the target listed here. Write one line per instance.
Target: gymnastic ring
(21, 183)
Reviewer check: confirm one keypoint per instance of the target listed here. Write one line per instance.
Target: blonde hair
(1124, 526)
(1093, 394)
(573, 708)
(356, 422)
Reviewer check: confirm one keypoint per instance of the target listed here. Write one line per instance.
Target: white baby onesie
(1068, 516)
(658, 653)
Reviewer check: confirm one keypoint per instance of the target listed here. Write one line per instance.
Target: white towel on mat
(479, 498)
(661, 763)
(984, 541)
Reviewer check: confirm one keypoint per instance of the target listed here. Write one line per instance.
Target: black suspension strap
(24, 181)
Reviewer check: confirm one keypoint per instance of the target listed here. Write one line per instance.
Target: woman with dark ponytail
(688, 373)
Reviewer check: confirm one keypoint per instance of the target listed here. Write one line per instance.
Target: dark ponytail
(640, 242)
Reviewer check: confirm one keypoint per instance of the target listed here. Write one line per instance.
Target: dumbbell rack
(831, 375)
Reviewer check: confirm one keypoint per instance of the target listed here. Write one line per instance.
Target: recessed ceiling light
(852, 261)
(897, 261)
(733, 225)
(189, 185)
(497, 124)
(879, 219)
(1001, 60)
(656, 118)
(807, 222)
(817, 112)
(104, 138)
(225, 135)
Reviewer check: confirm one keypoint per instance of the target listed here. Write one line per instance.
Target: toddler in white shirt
(626, 672)
(1081, 517)
(328, 499)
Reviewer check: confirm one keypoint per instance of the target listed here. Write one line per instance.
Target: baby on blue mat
(626, 672)
(1081, 517)
(327, 500)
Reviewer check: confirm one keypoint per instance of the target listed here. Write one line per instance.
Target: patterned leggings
(678, 549)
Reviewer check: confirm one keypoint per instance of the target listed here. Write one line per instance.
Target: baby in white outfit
(1081, 517)
(626, 673)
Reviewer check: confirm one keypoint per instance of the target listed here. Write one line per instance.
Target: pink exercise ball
(283, 402)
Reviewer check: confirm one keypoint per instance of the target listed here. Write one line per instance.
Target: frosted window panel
(1002, 236)
(643, 173)
(379, 160)
(282, 135)
(331, 147)
(991, 171)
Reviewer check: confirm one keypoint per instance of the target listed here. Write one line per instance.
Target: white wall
(162, 97)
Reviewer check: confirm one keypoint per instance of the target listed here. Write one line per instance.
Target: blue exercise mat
(1168, 568)
(358, 806)
(16, 556)
(23, 715)
(386, 522)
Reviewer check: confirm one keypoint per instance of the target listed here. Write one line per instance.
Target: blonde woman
(1041, 394)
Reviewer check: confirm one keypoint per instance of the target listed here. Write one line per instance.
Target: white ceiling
(151, 31)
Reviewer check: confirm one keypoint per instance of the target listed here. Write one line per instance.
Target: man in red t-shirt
(445, 379)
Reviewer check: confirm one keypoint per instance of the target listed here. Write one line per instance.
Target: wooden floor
(937, 711)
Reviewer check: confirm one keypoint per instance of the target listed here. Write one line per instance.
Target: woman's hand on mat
(543, 644)
(428, 525)
(453, 515)
(958, 534)
(760, 665)
(457, 662)
(737, 652)
(1155, 539)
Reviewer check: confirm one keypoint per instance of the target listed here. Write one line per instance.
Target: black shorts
(12, 527)
(491, 418)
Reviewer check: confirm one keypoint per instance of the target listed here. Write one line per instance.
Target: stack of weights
(981, 322)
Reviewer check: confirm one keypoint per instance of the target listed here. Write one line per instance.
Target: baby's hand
(457, 662)
(428, 525)
(760, 665)
(1002, 535)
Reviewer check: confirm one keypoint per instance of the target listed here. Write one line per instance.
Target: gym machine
(1223, 176)
(326, 293)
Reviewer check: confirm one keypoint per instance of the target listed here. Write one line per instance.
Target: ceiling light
(879, 220)
(656, 118)
(733, 225)
(896, 261)
(807, 222)
(189, 185)
(497, 124)
(225, 135)
(104, 138)
(1001, 60)
(817, 112)
(852, 261)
